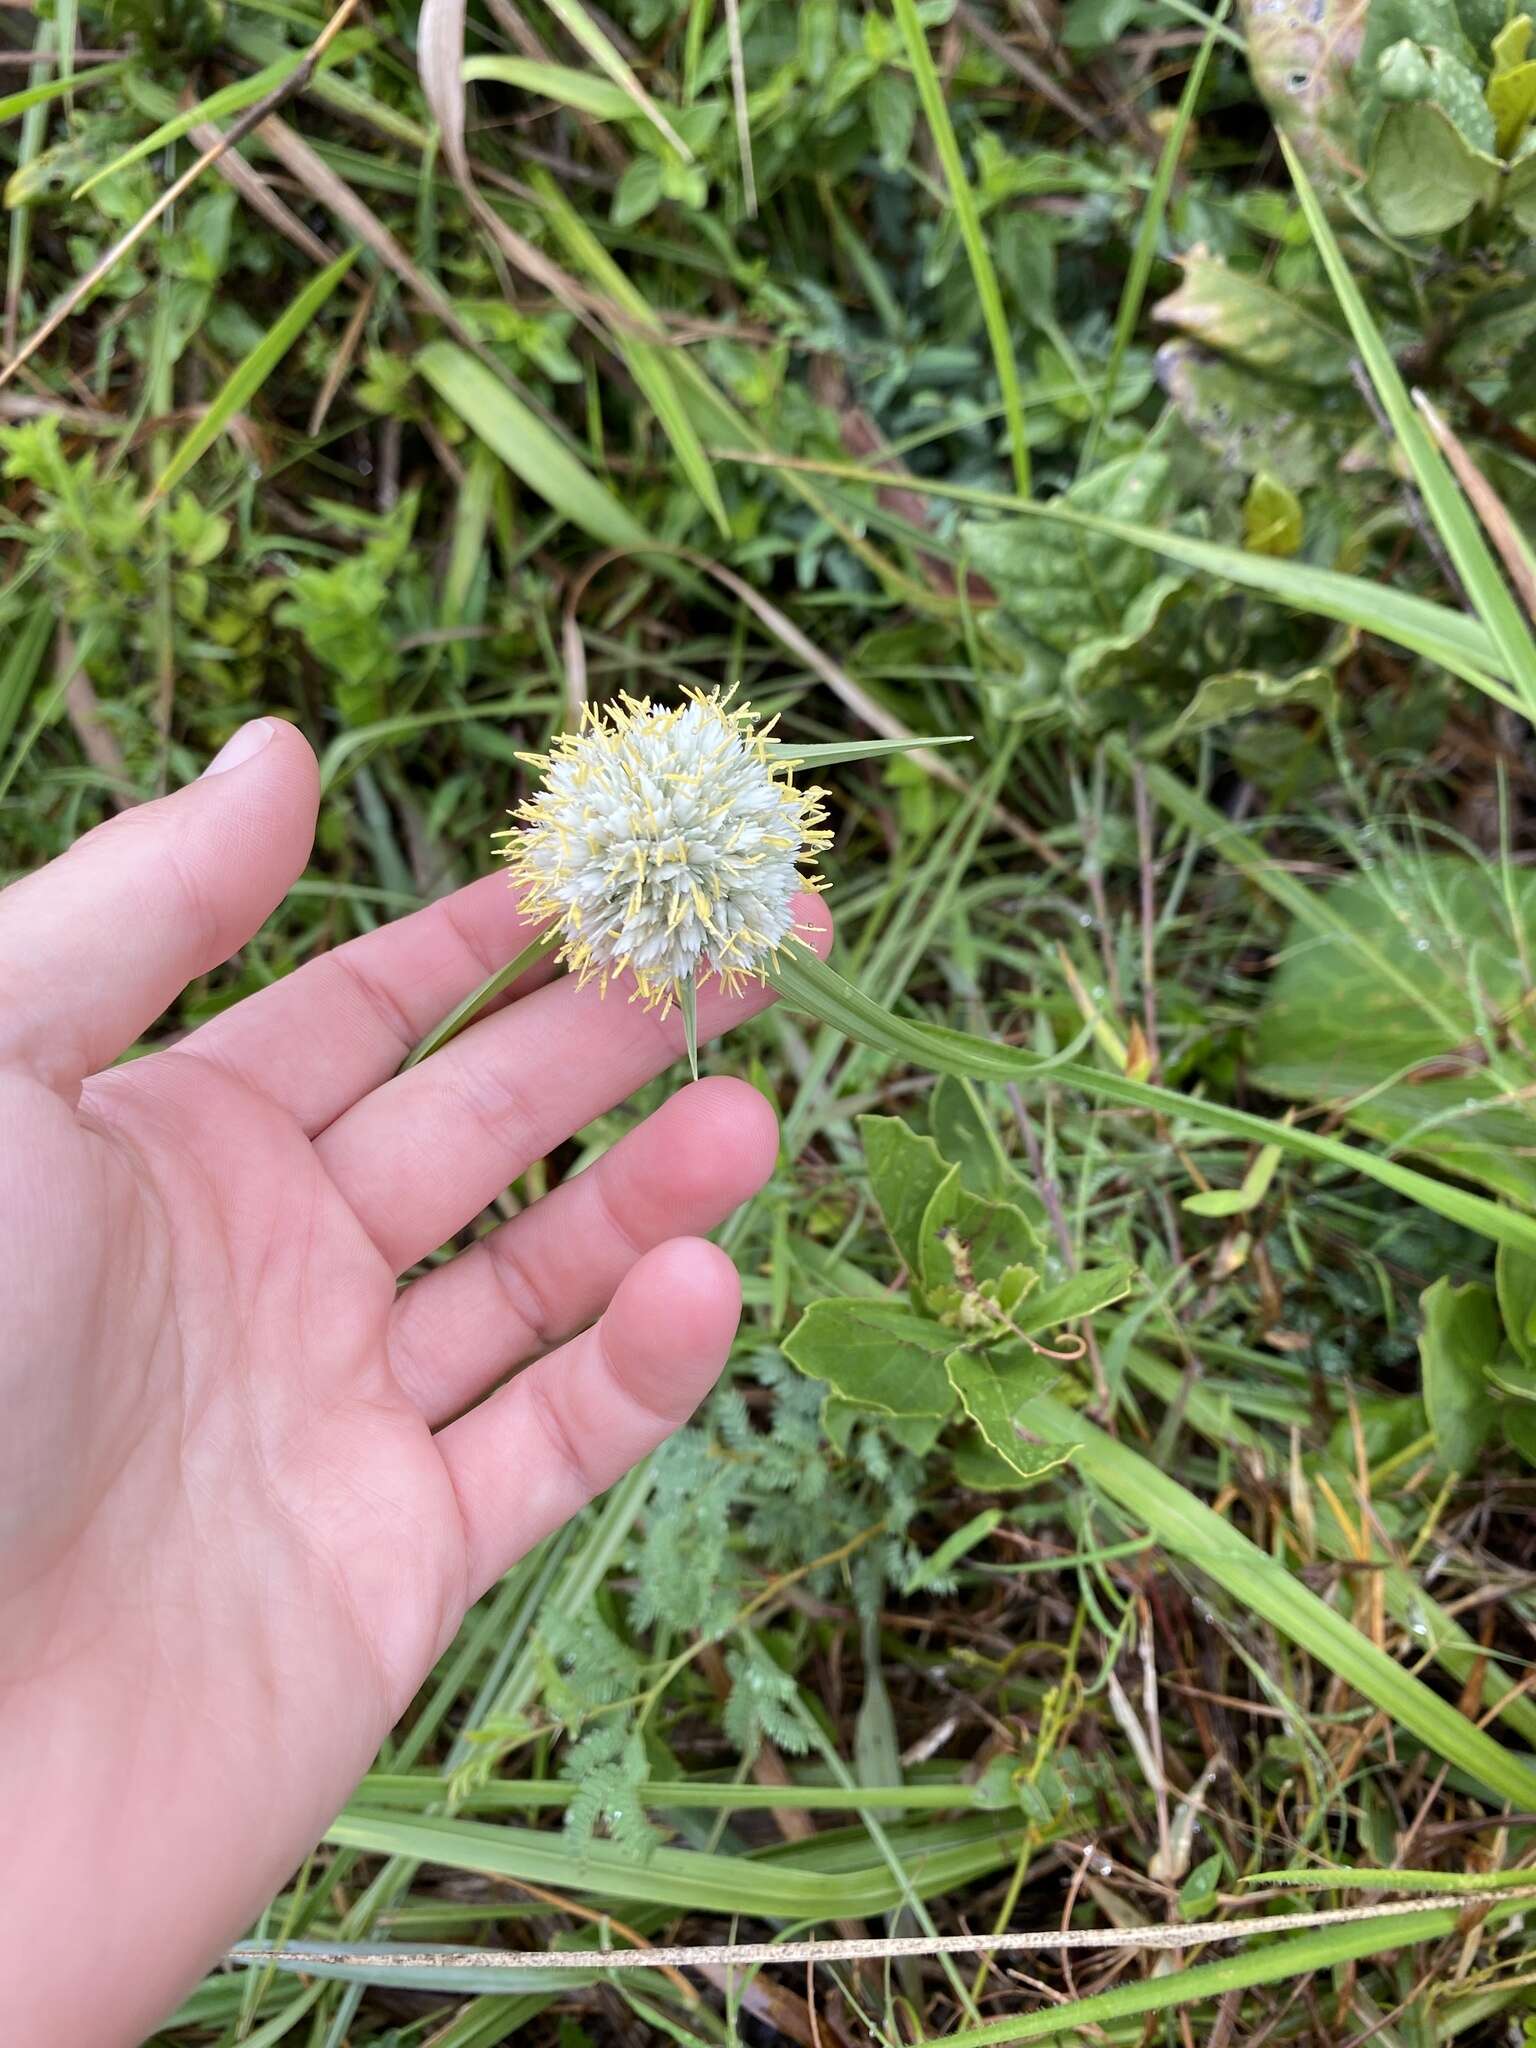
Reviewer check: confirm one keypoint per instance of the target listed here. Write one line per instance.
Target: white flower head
(666, 840)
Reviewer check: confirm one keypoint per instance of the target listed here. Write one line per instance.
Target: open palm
(247, 1486)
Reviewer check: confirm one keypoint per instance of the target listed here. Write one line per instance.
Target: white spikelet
(666, 842)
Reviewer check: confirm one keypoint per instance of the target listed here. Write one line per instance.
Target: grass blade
(821, 1882)
(14, 103)
(1148, 228)
(805, 981)
(1189, 1529)
(1441, 635)
(230, 99)
(475, 1004)
(536, 456)
(650, 362)
(23, 658)
(835, 753)
(1297, 1956)
(968, 219)
(578, 90)
(253, 372)
(582, 29)
(1490, 596)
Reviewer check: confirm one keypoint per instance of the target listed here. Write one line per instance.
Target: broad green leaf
(1221, 700)
(1512, 102)
(1192, 1531)
(875, 1354)
(992, 1390)
(1459, 1341)
(1515, 1285)
(1066, 585)
(1520, 189)
(904, 1171)
(247, 379)
(1197, 1894)
(983, 1470)
(534, 454)
(915, 1433)
(1424, 176)
(1239, 315)
(1302, 54)
(964, 1122)
(1517, 1420)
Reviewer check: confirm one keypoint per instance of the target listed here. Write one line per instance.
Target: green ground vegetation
(1121, 1492)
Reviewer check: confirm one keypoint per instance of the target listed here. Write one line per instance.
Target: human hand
(245, 1492)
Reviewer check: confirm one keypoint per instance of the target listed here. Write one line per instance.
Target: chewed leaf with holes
(1413, 1012)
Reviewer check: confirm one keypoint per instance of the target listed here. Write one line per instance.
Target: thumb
(95, 945)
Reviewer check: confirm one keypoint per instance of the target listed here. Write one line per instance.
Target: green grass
(418, 437)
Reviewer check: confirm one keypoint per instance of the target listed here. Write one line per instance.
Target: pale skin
(249, 1485)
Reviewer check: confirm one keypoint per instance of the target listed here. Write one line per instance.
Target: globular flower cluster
(666, 841)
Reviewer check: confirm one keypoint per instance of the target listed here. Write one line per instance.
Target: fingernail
(248, 741)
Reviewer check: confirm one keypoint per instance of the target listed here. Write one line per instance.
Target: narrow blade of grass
(1298, 1955)
(782, 1886)
(968, 218)
(559, 82)
(1508, 629)
(835, 753)
(581, 28)
(1148, 228)
(823, 993)
(253, 372)
(219, 106)
(537, 457)
(1189, 1529)
(23, 659)
(650, 362)
(475, 1004)
(1441, 635)
(14, 103)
